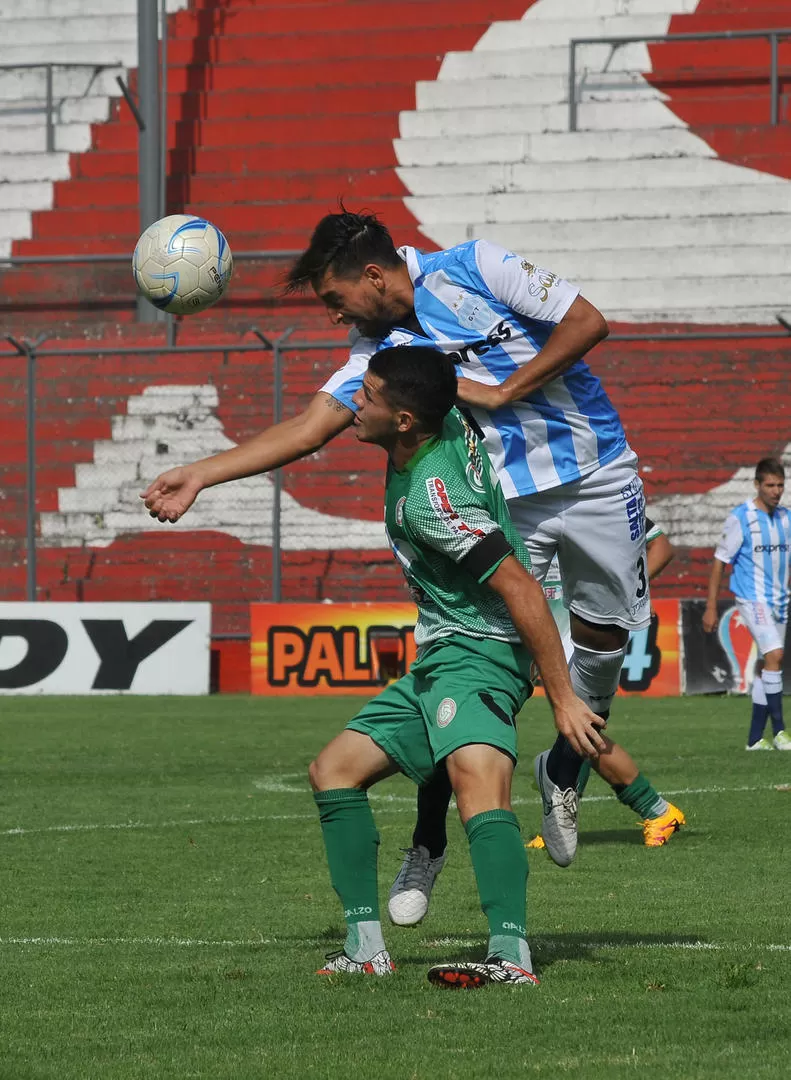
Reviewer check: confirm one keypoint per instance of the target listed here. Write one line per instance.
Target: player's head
(350, 264)
(770, 479)
(406, 393)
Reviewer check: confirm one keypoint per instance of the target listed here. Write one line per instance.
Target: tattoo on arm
(338, 406)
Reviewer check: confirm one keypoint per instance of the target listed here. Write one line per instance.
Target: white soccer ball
(182, 264)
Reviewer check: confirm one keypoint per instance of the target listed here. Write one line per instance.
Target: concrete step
(16, 168)
(663, 294)
(537, 90)
(509, 63)
(53, 9)
(638, 233)
(552, 147)
(66, 83)
(15, 224)
(714, 263)
(535, 33)
(598, 116)
(90, 53)
(712, 315)
(33, 195)
(43, 32)
(598, 176)
(72, 138)
(665, 203)
(83, 110)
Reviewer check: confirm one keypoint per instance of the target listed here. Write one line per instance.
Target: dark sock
(757, 724)
(433, 799)
(563, 764)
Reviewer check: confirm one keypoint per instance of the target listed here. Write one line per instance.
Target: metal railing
(773, 36)
(31, 351)
(49, 94)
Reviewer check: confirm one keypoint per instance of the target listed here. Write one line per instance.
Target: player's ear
(405, 421)
(375, 275)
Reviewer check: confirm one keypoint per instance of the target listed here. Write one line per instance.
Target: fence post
(572, 85)
(149, 144)
(774, 81)
(277, 476)
(28, 350)
(50, 107)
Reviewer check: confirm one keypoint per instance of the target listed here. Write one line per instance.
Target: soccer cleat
(471, 976)
(762, 744)
(657, 831)
(537, 842)
(338, 963)
(559, 825)
(409, 896)
(782, 740)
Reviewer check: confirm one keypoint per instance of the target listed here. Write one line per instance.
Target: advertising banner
(53, 648)
(723, 660)
(358, 648)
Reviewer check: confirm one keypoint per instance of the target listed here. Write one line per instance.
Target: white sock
(773, 682)
(363, 941)
(594, 676)
(759, 693)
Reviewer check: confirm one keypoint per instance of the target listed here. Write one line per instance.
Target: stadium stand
(671, 205)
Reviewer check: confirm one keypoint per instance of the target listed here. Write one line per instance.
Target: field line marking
(387, 805)
(538, 943)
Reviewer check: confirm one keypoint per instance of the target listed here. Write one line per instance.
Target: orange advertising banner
(310, 649)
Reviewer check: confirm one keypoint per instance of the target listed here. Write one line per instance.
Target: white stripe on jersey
(494, 311)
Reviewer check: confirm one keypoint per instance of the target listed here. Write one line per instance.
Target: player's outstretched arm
(710, 616)
(531, 616)
(582, 327)
(174, 492)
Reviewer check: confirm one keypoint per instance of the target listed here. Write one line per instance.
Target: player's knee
(773, 661)
(323, 773)
(606, 638)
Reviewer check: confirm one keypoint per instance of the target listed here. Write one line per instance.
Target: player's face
(360, 302)
(770, 490)
(376, 420)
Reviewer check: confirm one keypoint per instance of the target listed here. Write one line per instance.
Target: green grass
(165, 902)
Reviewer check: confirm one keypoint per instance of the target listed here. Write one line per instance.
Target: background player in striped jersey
(756, 543)
(518, 335)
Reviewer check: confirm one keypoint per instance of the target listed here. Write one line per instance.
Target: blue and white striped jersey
(493, 311)
(757, 544)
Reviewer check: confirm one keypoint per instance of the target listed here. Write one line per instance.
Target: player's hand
(479, 394)
(710, 620)
(173, 493)
(581, 727)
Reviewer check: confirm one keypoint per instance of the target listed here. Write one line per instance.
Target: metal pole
(277, 477)
(50, 105)
(30, 479)
(149, 169)
(572, 85)
(163, 97)
(773, 79)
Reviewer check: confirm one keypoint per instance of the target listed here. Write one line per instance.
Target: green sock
(584, 776)
(500, 863)
(351, 840)
(641, 797)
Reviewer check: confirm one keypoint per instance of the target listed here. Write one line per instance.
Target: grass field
(165, 902)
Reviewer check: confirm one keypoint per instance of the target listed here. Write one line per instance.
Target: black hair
(417, 378)
(769, 466)
(345, 243)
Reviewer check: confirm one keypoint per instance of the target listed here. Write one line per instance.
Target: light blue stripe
(515, 449)
(559, 437)
(591, 400)
(766, 562)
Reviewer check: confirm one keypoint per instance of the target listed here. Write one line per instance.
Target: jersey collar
(425, 449)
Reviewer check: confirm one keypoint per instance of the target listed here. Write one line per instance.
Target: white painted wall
(634, 207)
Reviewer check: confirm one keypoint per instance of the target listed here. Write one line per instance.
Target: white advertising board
(53, 648)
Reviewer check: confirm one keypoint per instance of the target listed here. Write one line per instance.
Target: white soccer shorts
(597, 528)
(768, 632)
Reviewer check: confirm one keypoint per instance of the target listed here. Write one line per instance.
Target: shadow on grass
(611, 836)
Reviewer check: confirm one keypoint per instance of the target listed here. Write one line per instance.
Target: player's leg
(411, 891)
(603, 565)
(470, 705)
(387, 736)
(769, 635)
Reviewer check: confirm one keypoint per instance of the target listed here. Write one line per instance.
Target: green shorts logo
(446, 710)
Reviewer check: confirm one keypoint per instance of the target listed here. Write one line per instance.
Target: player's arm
(541, 295)
(659, 550)
(724, 553)
(172, 493)
(529, 611)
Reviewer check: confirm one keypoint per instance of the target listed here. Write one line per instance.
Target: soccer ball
(182, 264)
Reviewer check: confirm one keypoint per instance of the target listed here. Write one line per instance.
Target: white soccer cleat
(782, 740)
(471, 976)
(559, 825)
(338, 963)
(762, 744)
(409, 896)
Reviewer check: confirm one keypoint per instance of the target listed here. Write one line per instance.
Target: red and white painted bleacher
(670, 205)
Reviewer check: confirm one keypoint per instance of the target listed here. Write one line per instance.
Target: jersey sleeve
(652, 530)
(526, 288)
(440, 515)
(730, 541)
(345, 383)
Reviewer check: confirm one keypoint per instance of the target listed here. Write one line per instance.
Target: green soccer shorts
(461, 690)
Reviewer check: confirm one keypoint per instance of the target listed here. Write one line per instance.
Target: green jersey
(449, 527)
